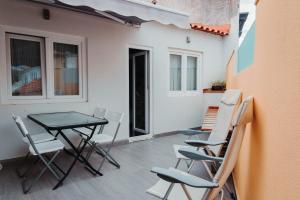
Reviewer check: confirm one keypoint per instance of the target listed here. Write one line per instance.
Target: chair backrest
(210, 118)
(228, 105)
(243, 116)
(99, 112)
(20, 124)
(24, 131)
(114, 122)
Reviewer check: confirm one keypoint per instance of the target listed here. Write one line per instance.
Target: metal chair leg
(49, 163)
(191, 166)
(89, 153)
(188, 163)
(207, 169)
(113, 161)
(28, 170)
(48, 166)
(55, 166)
(229, 190)
(106, 156)
(177, 163)
(103, 160)
(99, 150)
(222, 195)
(21, 165)
(80, 143)
(168, 191)
(186, 192)
(26, 190)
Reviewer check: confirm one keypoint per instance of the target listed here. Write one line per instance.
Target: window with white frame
(175, 72)
(44, 68)
(191, 74)
(26, 66)
(66, 69)
(184, 71)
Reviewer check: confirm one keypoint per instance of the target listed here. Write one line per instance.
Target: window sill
(42, 101)
(209, 90)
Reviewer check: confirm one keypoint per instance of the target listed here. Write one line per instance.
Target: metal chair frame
(95, 147)
(47, 161)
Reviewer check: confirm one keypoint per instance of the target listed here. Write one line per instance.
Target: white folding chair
(106, 136)
(36, 138)
(177, 185)
(40, 150)
(86, 131)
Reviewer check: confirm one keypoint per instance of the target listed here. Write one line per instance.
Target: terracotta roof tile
(214, 29)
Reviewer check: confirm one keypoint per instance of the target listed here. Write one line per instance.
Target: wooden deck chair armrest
(203, 143)
(193, 132)
(176, 176)
(194, 154)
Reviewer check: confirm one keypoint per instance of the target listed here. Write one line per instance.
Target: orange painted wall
(269, 163)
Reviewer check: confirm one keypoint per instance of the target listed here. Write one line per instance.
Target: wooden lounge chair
(177, 185)
(210, 118)
(227, 107)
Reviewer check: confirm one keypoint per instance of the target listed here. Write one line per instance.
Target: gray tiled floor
(128, 183)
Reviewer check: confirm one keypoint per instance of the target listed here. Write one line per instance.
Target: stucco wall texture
(269, 161)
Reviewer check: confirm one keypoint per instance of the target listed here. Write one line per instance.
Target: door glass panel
(26, 78)
(66, 70)
(140, 94)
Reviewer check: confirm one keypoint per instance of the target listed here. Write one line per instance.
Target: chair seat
(160, 188)
(47, 147)
(101, 138)
(178, 155)
(38, 138)
(86, 131)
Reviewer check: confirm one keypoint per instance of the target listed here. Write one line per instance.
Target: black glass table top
(65, 120)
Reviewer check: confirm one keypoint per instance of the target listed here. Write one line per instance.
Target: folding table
(60, 121)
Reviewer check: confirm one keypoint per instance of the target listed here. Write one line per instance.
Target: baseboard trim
(165, 134)
(121, 142)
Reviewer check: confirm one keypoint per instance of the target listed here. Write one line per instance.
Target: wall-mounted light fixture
(46, 14)
(188, 39)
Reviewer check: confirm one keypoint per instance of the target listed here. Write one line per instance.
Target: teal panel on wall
(246, 50)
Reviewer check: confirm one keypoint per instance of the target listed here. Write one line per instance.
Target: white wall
(231, 42)
(107, 44)
(211, 99)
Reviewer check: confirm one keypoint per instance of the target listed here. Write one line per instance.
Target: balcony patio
(129, 182)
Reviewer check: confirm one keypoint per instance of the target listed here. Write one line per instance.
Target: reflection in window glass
(191, 73)
(25, 67)
(175, 72)
(66, 74)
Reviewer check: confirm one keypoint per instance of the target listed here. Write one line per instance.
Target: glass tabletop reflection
(66, 120)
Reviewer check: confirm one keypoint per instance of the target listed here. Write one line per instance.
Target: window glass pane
(191, 73)
(25, 67)
(175, 72)
(66, 71)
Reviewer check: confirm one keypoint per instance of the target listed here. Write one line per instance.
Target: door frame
(150, 77)
(146, 88)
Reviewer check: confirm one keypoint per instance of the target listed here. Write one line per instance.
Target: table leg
(78, 157)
